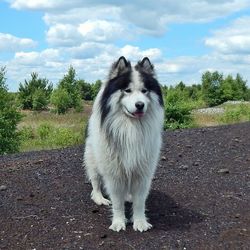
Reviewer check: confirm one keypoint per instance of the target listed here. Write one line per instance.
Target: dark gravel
(200, 197)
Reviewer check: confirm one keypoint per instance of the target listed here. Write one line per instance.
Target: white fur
(126, 166)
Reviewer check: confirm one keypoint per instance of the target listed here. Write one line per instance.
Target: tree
(194, 92)
(234, 89)
(211, 91)
(85, 90)
(177, 109)
(239, 88)
(40, 100)
(70, 84)
(95, 88)
(61, 100)
(3, 78)
(181, 86)
(35, 93)
(9, 118)
(227, 88)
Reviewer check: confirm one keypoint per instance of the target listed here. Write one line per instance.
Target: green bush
(26, 133)
(236, 113)
(211, 88)
(64, 137)
(48, 136)
(178, 106)
(40, 100)
(70, 84)
(60, 99)
(9, 118)
(44, 131)
(177, 116)
(34, 94)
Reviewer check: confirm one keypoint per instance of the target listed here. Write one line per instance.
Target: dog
(124, 139)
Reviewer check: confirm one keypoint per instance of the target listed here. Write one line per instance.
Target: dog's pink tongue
(138, 114)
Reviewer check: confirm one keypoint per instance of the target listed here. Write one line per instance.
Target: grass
(236, 113)
(233, 113)
(205, 120)
(45, 130)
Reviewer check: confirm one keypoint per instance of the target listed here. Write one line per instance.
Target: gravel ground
(200, 197)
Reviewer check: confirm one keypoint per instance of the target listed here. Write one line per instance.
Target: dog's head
(131, 89)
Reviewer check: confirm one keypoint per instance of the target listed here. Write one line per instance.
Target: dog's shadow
(165, 214)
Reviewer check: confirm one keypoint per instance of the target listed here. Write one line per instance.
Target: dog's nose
(139, 105)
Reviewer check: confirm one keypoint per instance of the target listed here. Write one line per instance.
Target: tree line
(38, 94)
(214, 89)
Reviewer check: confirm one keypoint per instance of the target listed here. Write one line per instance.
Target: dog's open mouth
(136, 114)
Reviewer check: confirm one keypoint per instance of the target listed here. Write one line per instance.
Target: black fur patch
(150, 83)
(118, 83)
(146, 70)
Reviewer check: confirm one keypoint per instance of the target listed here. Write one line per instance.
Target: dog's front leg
(140, 191)
(117, 195)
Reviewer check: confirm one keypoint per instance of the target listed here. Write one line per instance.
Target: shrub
(9, 118)
(177, 112)
(35, 93)
(40, 100)
(44, 131)
(26, 133)
(64, 137)
(177, 116)
(61, 100)
(211, 90)
(69, 84)
(95, 88)
(236, 113)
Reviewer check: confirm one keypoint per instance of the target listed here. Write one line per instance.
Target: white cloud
(36, 58)
(63, 35)
(150, 17)
(9, 42)
(91, 50)
(38, 4)
(135, 53)
(234, 39)
(80, 14)
(91, 34)
(100, 30)
(91, 61)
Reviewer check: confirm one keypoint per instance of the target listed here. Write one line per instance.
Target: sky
(183, 39)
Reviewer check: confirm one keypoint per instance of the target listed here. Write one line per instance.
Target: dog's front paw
(118, 225)
(99, 199)
(141, 225)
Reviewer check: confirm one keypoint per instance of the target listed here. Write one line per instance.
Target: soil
(200, 197)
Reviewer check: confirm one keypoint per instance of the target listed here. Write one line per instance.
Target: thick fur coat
(124, 140)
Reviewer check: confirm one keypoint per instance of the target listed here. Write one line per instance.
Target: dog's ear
(146, 66)
(119, 67)
(121, 64)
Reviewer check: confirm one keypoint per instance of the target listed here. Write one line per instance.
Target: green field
(233, 113)
(46, 130)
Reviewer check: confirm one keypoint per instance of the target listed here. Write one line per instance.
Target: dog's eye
(127, 90)
(144, 91)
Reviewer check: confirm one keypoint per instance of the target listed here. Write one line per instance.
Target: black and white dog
(124, 140)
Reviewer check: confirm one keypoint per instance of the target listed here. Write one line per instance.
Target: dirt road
(200, 197)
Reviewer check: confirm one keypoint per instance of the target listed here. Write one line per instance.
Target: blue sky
(183, 40)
